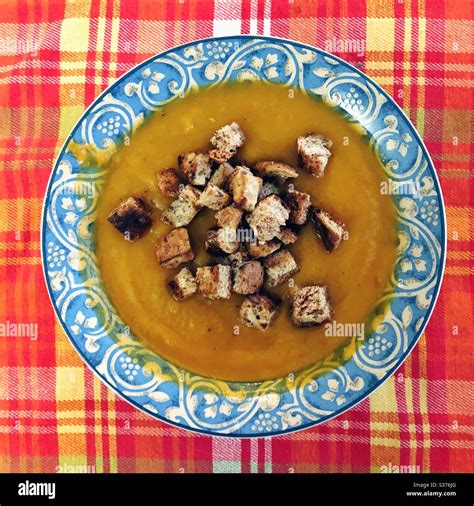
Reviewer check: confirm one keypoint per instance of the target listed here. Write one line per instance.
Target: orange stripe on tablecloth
(20, 261)
(459, 271)
(460, 255)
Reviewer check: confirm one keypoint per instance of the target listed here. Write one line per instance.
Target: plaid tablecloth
(55, 57)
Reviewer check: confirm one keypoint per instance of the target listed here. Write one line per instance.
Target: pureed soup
(205, 336)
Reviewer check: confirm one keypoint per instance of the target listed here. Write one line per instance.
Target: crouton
(262, 249)
(299, 204)
(221, 175)
(214, 282)
(279, 267)
(237, 258)
(244, 187)
(269, 215)
(230, 216)
(258, 311)
(275, 169)
(197, 167)
(287, 236)
(328, 229)
(221, 241)
(310, 306)
(174, 248)
(183, 285)
(248, 277)
(225, 142)
(214, 197)
(313, 152)
(183, 210)
(132, 218)
(168, 182)
(268, 188)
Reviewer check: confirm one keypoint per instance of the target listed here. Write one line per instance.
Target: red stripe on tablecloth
(93, 453)
(90, 89)
(106, 433)
(246, 456)
(245, 17)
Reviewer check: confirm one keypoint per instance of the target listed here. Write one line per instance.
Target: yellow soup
(202, 335)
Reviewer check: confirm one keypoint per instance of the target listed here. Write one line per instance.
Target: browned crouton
(330, 230)
(226, 141)
(299, 204)
(183, 210)
(214, 197)
(132, 218)
(310, 306)
(230, 216)
(214, 282)
(279, 267)
(197, 167)
(248, 277)
(313, 151)
(268, 217)
(262, 249)
(183, 285)
(237, 258)
(221, 175)
(168, 182)
(275, 169)
(287, 236)
(258, 311)
(174, 248)
(244, 187)
(221, 241)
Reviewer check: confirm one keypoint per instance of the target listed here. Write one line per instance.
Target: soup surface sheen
(198, 334)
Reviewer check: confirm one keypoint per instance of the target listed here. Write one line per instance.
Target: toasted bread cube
(248, 277)
(262, 249)
(197, 167)
(214, 197)
(245, 188)
(310, 306)
(226, 141)
(279, 267)
(313, 151)
(300, 206)
(183, 210)
(268, 217)
(214, 282)
(221, 241)
(132, 218)
(183, 285)
(221, 175)
(168, 182)
(330, 230)
(237, 258)
(275, 169)
(287, 236)
(258, 311)
(230, 216)
(174, 248)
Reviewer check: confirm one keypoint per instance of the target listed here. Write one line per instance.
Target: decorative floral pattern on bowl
(177, 396)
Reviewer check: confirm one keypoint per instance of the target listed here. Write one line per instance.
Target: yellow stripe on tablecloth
(20, 214)
(380, 34)
(74, 35)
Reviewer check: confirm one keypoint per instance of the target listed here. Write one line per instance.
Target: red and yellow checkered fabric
(55, 58)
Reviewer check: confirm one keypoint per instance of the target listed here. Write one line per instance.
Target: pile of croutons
(256, 222)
